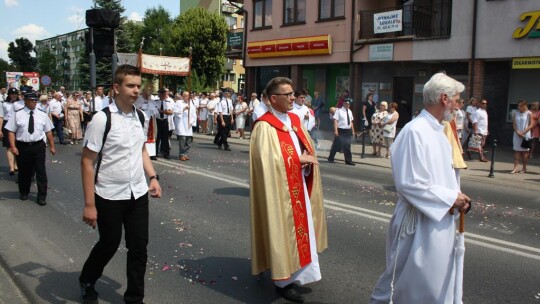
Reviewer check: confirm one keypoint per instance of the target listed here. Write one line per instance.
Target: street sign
(45, 80)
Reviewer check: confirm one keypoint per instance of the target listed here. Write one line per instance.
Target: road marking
(476, 239)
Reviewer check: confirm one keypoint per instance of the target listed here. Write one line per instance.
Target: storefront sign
(526, 63)
(302, 46)
(532, 28)
(387, 22)
(381, 52)
(235, 40)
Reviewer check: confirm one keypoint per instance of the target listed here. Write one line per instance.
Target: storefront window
(329, 9)
(294, 11)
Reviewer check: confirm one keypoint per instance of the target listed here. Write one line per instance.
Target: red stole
(294, 172)
(150, 135)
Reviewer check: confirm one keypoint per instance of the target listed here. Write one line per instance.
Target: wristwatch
(154, 177)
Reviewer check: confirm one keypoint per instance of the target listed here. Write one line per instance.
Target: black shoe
(330, 160)
(350, 163)
(219, 146)
(166, 156)
(88, 293)
(153, 157)
(11, 173)
(227, 148)
(41, 202)
(23, 197)
(290, 294)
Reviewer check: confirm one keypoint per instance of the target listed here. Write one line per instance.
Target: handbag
(526, 143)
(388, 128)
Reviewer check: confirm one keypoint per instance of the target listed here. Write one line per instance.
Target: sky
(40, 19)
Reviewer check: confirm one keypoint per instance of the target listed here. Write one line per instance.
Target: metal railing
(418, 21)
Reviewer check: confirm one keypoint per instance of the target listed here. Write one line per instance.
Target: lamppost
(160, 75)
(189, 75)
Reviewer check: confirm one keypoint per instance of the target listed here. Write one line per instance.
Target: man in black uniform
(162, 122)
(27, 130)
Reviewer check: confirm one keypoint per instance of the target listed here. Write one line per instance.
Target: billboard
(16, 79)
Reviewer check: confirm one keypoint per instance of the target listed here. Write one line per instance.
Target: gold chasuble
(279, 228)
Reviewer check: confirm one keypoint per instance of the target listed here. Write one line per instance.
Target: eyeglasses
(291, 94)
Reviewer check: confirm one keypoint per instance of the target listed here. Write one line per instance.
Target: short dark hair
(274, 83)
(124, 70)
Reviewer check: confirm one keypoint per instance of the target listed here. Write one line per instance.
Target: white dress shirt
(19, 125)
(225, 106)
(55, 107)
(341, 117)
(481, 119)
(121, 172)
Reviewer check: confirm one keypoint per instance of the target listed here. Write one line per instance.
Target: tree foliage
(19, 53)
(46, 65)
(206, 33)
(157, 32)
(5, 67)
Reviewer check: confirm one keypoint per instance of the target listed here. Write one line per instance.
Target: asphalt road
(199, 235)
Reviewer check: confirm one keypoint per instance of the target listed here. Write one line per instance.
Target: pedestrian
(288, 225)
(420, 250)
(203, 113)
(318, 106)
(27, 130)
(185, 116)
(480, 127)
(535, 112)
(12, 99)
(343, 131)
(74, 116)
(116, 193)
(240, 111)
(522, 123)
(146, 103)
(368, 109)
(57, 114)
(390, 127)
(211, 107)
(225, 120)
(162, 120)
(262, 108)
(376, 131)
(459, 119)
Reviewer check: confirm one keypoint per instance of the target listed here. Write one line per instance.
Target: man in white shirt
(146, 103)
(211, 106)
(480, 126)
(162, 119)
(225, 120)
(98, 99)
(343, 131)
(262, 108)
(117, 195)
(55, 106)
(421, 245)
(185, 116)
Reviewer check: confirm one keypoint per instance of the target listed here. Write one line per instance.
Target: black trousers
(31, 160)
(343, 141)
(162, 140)
(223, 132)
(133, 215)
(59, 128)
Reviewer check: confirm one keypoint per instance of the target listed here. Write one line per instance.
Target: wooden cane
(462, 221)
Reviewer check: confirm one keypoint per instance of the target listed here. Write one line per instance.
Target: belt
(162, 118)
(29, 143)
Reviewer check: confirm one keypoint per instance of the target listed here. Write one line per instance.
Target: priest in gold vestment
(288, 225)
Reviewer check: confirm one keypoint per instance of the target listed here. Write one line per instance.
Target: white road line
(482, 241)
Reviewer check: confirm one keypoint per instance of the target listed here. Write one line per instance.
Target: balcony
(235, 43)
(65, 44)
(418, 21)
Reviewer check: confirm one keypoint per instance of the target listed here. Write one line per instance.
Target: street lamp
(189, 76)
(160, 75)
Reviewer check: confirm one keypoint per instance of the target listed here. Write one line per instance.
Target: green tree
(46, 65)
(206, 33)
(19, 53)
(157, 32)
(5, 67)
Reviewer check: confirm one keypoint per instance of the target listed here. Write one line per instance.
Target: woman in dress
(389, 125)
(73, 118)
(7, 107)
(240, 111)
(376, 132)
(203, 113)
(535, 112)
(522, 123)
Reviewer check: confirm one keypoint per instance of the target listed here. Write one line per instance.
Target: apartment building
(392, 47)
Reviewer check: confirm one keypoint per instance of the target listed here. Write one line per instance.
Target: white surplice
(312, 271)
(301, 111)
(183, 127)
(420, 253)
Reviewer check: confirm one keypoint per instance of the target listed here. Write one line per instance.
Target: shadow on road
(233, 191)
(61, 287)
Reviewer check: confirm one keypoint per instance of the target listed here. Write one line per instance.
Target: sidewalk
(477, 171)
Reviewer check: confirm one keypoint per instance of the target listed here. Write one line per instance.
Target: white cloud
(11, 3)
(77, 19)
(31, 32)
(3, 49)
(135, 16)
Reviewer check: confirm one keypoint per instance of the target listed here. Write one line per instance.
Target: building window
(294, 11)
(329, 9)
(262, 13)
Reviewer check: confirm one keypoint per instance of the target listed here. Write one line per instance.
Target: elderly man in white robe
(420, 249)
(185, 117)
